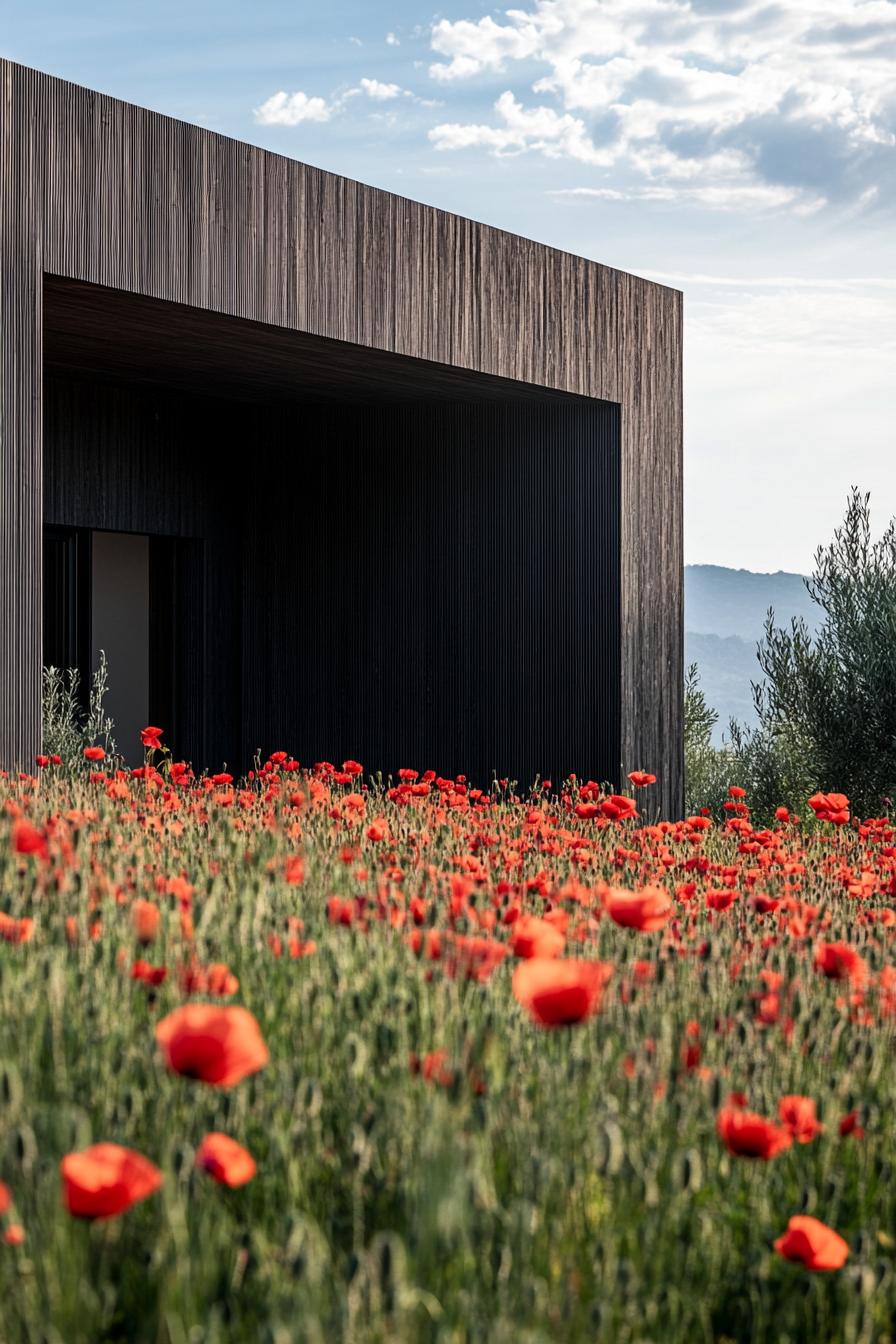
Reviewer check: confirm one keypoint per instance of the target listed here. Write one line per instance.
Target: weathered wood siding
(97, 190)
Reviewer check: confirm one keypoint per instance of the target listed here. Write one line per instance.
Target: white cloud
(288, 109)
(483, 44)
(374, 88)
(847, 284)
(843, 316)
(392, 40)
(796, 97)
(723, 196)
(524, 128)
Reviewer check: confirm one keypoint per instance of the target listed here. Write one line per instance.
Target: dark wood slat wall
(21, 520)
(115, 195)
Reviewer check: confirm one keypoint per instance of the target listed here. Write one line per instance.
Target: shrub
(67, 725)
(706, 766)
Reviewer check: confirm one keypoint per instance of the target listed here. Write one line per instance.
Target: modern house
(325, 469)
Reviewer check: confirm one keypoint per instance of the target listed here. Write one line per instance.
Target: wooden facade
(418, 480)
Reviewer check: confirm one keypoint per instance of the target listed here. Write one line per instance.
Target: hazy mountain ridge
(724, 616)
(719, 601)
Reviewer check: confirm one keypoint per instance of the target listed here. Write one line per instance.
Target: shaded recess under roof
(94, 331)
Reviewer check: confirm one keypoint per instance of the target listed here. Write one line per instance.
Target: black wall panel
(438, 587)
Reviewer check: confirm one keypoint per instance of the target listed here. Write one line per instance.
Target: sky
(743, 151)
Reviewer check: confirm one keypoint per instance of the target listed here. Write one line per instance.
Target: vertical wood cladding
(97, 190)
(21, 524)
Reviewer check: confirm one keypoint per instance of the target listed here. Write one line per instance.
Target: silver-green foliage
(706, 768)
(67, 728)
(833, 696)
(826, 708)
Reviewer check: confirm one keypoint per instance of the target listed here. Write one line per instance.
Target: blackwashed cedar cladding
(526, 342)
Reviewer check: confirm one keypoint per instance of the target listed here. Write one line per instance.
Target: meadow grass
(540, 1184)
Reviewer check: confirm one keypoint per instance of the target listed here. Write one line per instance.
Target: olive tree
(831, 695)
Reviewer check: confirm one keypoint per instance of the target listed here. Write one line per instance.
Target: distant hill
(724, 614)
(728, 666)
(719, 601)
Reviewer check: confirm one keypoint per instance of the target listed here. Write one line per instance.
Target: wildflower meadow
(312, 1056)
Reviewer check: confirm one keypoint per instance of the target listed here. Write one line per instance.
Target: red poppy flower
(434, 1067)
(150, 975)
(813, 1243)
(106, 1179)
(746, 1134)
(647, 910)
(721, 898)
(14, 1235)
(534, 937)
(41, 762)
(15, 930)
(294, 870)
(839, 961)
(94, 754)
(218, 1045)
(145, 916)
(150, 737)
(849, 1124)
(27, 839)
(5, 1199)
(797, 1115)
(618, 808)
(832, 807)
(560, 991)
(468, 956)
(641, 778)
(220, 980)
(225, 1160)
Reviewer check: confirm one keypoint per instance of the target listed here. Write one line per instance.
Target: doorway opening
(133, 597)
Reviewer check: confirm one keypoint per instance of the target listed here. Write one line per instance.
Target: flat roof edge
(30, 71)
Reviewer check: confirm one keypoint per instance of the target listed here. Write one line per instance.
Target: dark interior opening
(353, 553)
(66, 594)
(95, 597)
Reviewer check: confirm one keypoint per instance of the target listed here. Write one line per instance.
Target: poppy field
(308, 1056)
